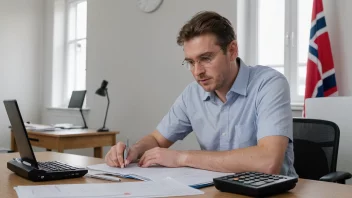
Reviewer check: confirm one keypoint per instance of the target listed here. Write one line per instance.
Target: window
(75, 48)
(282, 29)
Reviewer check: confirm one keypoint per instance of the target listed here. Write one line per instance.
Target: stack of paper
(67, 126)
(164, 188)
(196, 178)
(39, 127)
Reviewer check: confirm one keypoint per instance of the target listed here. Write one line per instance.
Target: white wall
(339, 24)
(21, 39)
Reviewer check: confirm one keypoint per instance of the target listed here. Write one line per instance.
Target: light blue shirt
(257, 106)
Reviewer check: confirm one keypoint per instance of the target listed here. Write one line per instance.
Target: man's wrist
(183, 156)
(137, 149)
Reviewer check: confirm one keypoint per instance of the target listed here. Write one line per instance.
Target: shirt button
(223, 134)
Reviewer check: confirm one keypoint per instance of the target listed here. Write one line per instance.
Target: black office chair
(316, 145)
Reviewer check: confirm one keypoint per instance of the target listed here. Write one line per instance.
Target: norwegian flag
(320, 79)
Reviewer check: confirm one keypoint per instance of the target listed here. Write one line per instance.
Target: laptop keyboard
(53, 166)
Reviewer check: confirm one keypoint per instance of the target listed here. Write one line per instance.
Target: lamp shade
(102, 90)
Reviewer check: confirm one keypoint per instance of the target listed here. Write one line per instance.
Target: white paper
(39, 127)
(163, 188)
(185, 175)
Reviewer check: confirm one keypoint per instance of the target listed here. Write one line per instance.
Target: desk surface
(70, 139)
(71, 132)
(304, 188)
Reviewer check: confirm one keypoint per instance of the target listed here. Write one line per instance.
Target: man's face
(209, 65)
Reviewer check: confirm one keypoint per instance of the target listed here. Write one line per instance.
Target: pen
(125, 153)
(105, 176)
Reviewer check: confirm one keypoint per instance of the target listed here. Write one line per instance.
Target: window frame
(291, 62)
(65, 95)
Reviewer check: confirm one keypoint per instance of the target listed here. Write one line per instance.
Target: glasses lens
(186, 64)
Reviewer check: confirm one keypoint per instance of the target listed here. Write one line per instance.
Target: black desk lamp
(103, 91)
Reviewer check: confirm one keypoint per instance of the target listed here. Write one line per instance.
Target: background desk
(304, 188)
(70, 139)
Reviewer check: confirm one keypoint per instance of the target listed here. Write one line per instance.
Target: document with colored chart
(196, 178)
(164, 188)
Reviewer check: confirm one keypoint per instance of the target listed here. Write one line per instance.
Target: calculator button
(269, 180)
(258, 183)
(248, 182)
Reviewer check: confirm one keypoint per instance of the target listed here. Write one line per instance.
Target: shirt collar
(240, 84)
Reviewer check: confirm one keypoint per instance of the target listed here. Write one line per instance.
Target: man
(241, 115)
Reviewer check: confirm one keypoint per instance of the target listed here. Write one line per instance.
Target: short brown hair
(206, 22)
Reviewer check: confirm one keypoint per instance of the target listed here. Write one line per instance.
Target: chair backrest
(316, 144)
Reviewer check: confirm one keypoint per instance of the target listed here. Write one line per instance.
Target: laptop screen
(20, 132)
(77, 99)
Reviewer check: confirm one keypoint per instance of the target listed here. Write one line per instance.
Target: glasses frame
(206, 62)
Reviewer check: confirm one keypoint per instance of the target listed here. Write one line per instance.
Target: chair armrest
(338, 176)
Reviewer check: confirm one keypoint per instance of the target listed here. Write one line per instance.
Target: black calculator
(255, 184)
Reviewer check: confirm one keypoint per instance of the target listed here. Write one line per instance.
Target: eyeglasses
(204, 60)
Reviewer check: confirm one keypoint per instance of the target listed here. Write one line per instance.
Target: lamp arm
(107, 108)
(84, 120)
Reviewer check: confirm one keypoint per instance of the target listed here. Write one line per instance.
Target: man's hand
(163, 157)
(115, 156)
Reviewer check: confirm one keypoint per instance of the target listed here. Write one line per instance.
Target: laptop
(77, 99)
(27, 166)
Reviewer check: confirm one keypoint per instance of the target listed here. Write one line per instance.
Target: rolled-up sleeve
(176, 125)
(274, 115)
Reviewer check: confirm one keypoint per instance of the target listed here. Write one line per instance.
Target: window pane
(82, 20)
(70, 71)
(301, 80)
(280, 69)
(271, 28)
(304, 23)
(80, 79)
(76, 70)
(72, 22)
